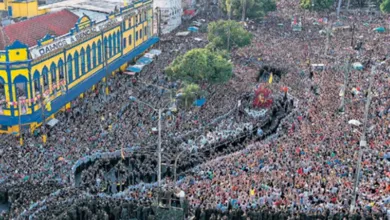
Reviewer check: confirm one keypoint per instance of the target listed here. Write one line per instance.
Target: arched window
(37, 82)
(105, 48)
(61, 69)
(114, 43)
(21, 86)
(70, 68)
(76, 64)
(2, 89)
(89, 58)
(45, 75)
(94, 55)
(82, 55)
(109, 45)
(99, 50)
(118, 41)
(53, 72)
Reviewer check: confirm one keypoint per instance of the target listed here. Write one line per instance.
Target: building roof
(103, 6)
(34, 29)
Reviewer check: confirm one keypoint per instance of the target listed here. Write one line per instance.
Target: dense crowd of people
(309, 167)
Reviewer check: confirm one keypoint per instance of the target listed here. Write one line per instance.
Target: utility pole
(229, 9)
(363, 142)
(353, 34)
(106, 66)
(159, 26)
(159, 147)
(243, 4)
(344, 89)
(328, 32)
(338, 8)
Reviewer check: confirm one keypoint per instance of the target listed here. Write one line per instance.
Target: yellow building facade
(59, 69)
(18, 8)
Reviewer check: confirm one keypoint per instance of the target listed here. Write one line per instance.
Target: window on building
(118, 41)
(21, 86)
(53, 73)
(145, 16)
(93, 55)
(130, 40)
(124, 42)
(76, 64)
(105, 48)
(136, 19)
(140, 33)
(70, 68)
(110, 49)
(99, 51)
(61, 69)
(136, 36)
(130, 21)
(37, 83)
(82, 56)
(45, 75)
(114, 46)
(2, 89)
(89, 61)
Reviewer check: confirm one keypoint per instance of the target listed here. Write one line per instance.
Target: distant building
(171, 12)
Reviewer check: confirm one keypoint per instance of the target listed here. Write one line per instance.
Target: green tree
(385, 6)
(255, 9)
(201, 66)
(317, 5)
(190, 93)
(225, 34)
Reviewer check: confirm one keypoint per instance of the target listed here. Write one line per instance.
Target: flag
(122, 154)
(270, 78)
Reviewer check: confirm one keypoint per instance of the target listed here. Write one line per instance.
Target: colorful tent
(193, 29)
(155, 52)
(200, 102)
(380, 29)
(135, 68)
(144, 61)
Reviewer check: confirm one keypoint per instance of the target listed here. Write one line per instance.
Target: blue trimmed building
(58, 69)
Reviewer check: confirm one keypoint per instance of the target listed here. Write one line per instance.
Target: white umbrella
(354, 122)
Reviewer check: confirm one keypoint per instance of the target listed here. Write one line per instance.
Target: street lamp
(363, 141)
(134, 99)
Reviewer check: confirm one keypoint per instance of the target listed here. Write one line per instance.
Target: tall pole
(328, 38)
(338, 8)
(43, 114)
(159, 147)
(243, 10)
(106, 80)
(346, 75)
(363, 142)
(20, 121)
(159, 26)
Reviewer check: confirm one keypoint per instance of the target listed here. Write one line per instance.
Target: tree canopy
(385, 6)
(225, 34)
(200, 66)
(254, 8)
(317, 5)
